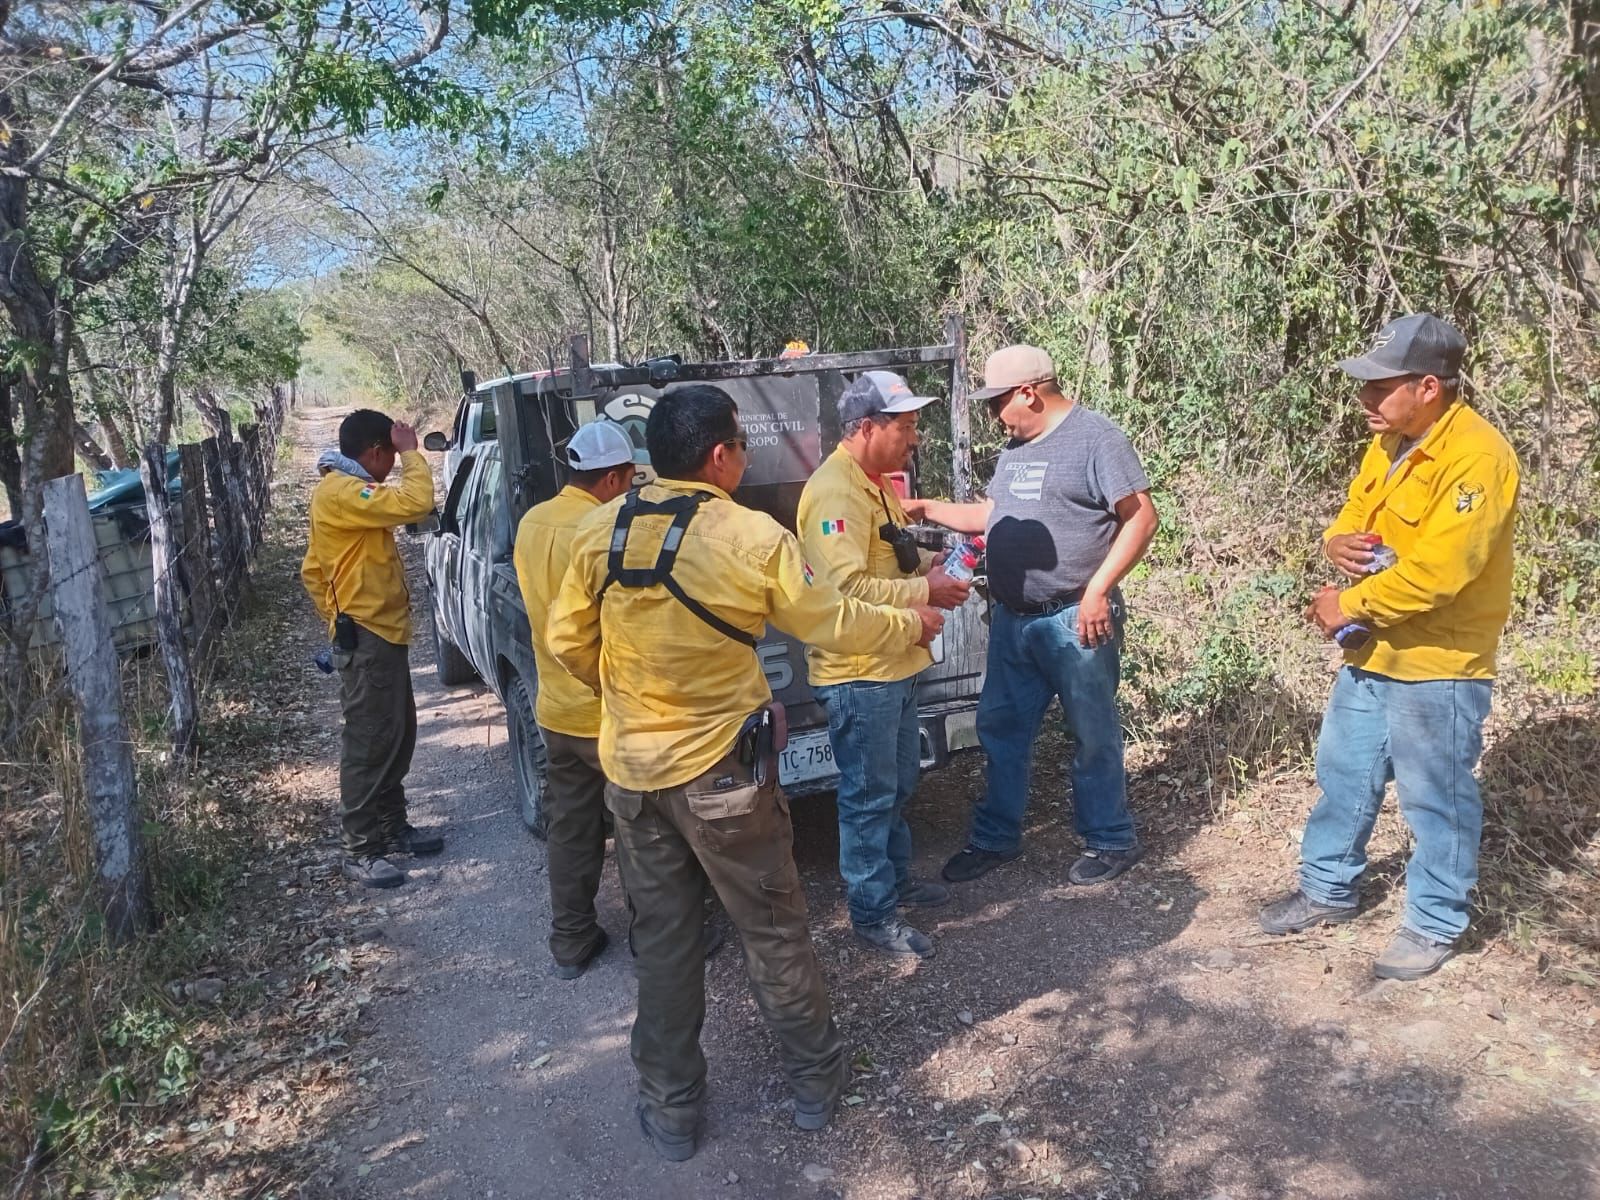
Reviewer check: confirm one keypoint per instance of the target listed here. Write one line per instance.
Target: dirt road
(1138, 1040)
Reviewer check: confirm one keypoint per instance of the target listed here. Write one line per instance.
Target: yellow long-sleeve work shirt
(351, 563)
(541, 554)
(1447, 510)
(841, 510)
(674, 691)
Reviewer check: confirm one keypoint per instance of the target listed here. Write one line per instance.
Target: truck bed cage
(584, 380)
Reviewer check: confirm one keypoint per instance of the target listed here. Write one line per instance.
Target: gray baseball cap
(874, 392)
(1421, 344)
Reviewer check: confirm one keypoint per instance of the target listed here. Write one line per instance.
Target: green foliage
(1229, 668)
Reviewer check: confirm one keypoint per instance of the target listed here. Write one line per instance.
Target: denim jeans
(1426, 736)
(1031, 660)
(877, 748)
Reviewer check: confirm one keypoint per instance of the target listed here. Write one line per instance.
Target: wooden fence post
(109, 783)
(955, 334)
(224, 521)
(164, 570)
(254, 473)
(239, 499)
(197, 553)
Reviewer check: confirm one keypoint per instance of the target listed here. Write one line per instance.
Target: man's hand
(1351, 553)
(943, 591)
(1095, 627)
(1325, 612)
(932, 623)
(402, 437)
(916, 507)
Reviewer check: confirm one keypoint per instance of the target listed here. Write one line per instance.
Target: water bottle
(964, 559)
(1355, 635)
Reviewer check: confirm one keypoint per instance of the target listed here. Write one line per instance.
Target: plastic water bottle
(1355, 635)
(963, 560)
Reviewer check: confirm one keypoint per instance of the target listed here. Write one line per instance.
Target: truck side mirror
(436, 442)
(449, 519)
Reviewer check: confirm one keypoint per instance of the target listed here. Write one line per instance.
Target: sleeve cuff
(1350, 603)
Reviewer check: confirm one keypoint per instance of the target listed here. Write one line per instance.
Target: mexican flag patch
(829, 527)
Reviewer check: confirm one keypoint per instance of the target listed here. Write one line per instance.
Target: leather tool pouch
(764, 734)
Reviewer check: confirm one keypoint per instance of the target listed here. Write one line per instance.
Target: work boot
(812, 1115)
(372, 870)
(411, 840)
(674, 1147)
(574, 969)
(919, 893)
(894, 936)
(1412, 956)
(1297, 912)
(972, 862)
(1102, 866)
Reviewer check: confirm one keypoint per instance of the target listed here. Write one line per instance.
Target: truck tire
(527, 755)
(452, 667)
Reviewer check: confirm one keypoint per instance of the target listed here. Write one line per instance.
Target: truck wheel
(452, 667)
(527, 753)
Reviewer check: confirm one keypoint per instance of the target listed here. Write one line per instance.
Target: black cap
(1421, 344)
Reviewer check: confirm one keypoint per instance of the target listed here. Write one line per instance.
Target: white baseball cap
(598, 445)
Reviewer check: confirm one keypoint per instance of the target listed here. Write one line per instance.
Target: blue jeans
(1031, 660)
(877, 748)
(1426, 737)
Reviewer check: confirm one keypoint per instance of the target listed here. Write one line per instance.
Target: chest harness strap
(682, 509)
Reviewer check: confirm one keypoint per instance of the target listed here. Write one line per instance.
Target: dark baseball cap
(874, 392)
(1421, 344)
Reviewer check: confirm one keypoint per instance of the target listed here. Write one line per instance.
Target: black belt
(1046, 608)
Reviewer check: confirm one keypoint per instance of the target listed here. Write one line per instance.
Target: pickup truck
(789, 411)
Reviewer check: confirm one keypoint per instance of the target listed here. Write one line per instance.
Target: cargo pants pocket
(786, 902)
(729, 808)
(623, 803)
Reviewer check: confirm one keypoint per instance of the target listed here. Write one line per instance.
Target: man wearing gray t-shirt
(1068, 516)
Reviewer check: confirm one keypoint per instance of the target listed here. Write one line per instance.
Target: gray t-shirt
(1054, 508)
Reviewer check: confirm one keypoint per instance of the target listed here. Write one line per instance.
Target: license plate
(808, 756)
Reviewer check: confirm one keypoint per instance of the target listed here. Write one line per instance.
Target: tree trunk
(10, 456)
(90, 450)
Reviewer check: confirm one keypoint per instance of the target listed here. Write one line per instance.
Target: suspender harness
(682, 510)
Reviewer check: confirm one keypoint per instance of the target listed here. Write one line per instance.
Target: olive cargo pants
(669, 844)
(380, 732)
(574, 806)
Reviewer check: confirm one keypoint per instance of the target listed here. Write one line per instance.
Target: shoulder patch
(834, 526)
(1468, 496)
(366, 492)
(805, 569)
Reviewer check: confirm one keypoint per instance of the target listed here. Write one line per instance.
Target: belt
(1048, 607)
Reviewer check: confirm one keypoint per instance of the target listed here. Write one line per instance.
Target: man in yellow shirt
(601, 457)
(660, 611)
(852, 531)
(1426, 538)
(354, 576)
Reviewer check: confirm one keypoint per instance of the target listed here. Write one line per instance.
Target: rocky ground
(1141, 1039)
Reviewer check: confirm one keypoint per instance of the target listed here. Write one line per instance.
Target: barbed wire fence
(161, 575)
